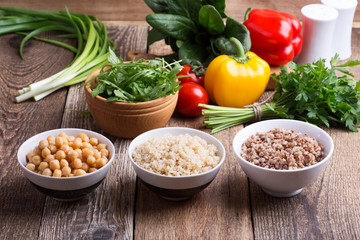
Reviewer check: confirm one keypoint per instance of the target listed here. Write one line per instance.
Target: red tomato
(194, 78)
(190, 95)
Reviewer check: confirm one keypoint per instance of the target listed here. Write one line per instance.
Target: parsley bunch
(136, 81)
(311, 92)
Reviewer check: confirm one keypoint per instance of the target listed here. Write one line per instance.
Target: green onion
(92, 49)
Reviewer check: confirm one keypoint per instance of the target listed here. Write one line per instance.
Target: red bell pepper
(275, 36)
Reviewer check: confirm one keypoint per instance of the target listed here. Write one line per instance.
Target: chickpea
(30, 166)
(101, 162)
(59, 141)
(66, 171)
(37, 150)
(84, 166)
(83, 137)
(51, 139)
(77, 143)
(79, 172)
(67, 156)
(86, 145)
(57, 173)
(86, 152)
(90, 160)
(104, 152)
(29, 156)
(36, 160)
(71, 138)
(43, 165)
(65, 148)
(48, 158)
(101, 146)
(54, 164)
(72, 155)
(43, 144)
(77, 163)
(60, 155)
(63, 135)
(45, 152)
(63, 163)
(53, 148)
(47, 172)
(94, 141)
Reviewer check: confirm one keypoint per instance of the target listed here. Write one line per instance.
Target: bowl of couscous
(176, 162)
(282, 155)
(66, 163)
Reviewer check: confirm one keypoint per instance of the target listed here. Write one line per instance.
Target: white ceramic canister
(318, 29)
(342, 34)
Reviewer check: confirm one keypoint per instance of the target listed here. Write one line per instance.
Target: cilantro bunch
(136, 81)
(311, 92)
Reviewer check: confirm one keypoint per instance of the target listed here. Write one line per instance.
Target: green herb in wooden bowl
(136, 81)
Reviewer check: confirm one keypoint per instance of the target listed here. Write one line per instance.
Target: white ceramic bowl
(283, 183)
(176, 187)
(65, 188)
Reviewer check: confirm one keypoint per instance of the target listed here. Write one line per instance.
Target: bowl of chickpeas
(66, 163)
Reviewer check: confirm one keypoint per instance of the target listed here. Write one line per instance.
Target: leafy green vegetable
(136, 81)
(311, 92)
(195, 29)
(211, 20)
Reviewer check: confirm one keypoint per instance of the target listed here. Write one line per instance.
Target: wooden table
(232, 207)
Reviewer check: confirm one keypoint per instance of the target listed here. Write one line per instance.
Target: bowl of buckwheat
(282, 155)
(66, 163)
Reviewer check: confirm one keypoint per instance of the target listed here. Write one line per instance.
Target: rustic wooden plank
(21, 205)
(108, 212)
(221, 211)
(136, 10)
(327, 209)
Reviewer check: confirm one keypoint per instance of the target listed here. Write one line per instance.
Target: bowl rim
(284, 171)
(216, 168)
(30, 139)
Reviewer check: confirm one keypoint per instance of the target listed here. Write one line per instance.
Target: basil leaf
(174, 26)
(190, 51)
(224, 46)
(211, 20)
(154, 36)
(237, 30)
(186, 8)
(157, 6)
(218, 4)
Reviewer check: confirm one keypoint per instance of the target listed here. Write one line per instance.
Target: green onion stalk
(91, 52)
(219, 118)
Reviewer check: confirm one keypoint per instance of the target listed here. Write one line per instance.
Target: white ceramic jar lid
(319, 12)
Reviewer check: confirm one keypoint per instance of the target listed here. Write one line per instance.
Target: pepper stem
(246, 17)
(240, 56)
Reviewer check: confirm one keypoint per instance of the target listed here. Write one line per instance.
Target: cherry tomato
(190, 95)
(194, 78)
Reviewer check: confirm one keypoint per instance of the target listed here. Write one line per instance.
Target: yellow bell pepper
(236, 81)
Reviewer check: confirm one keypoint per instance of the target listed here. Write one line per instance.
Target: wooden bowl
(128, 120)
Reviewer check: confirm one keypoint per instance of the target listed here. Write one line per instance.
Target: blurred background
(136, 10)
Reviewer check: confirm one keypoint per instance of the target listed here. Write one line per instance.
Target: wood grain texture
(326, 209)
(108, 212)
(136, 10)
(21, 205)
(221, 211)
